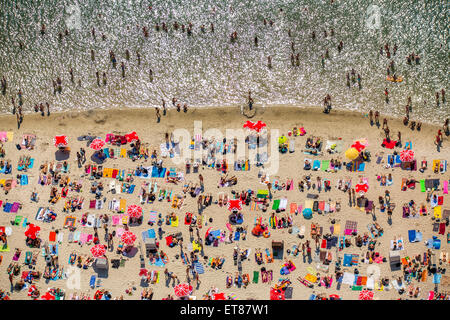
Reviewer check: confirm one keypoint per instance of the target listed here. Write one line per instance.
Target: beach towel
(437, 212)
(199, 268)
(325, 165)
(293, 207)
(316, 165)
(445, 186)
(350, 227)
(52, 236)
(7, 207)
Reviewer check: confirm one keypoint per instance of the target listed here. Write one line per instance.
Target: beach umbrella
(249, 125)
(32, 231)
(131, 136)
(282, 139)
(307, 213)
(207, 232)
(234, 204)
(361, 187)
(183, 289)
(60, 141)
(143, 272)
(98, 250)
(358, 146)
(128, 238)
(48, 296)
(334, 297)
(259, 125)
(407, 155)
(134, 211)
(352, 153)
(365, 295)
(97, 144)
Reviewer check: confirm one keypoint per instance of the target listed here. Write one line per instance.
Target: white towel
(60, 237)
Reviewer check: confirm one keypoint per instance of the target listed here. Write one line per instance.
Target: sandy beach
(343, 126)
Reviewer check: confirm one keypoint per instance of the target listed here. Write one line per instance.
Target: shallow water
(207, 69)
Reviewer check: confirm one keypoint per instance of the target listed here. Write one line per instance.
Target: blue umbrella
(307, 213)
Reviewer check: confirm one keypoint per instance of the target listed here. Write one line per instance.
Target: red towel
(114, 173)
(324, 244)
(169, 240)
(390, 145)
(442, 228)
(52, 236)
(441, 200)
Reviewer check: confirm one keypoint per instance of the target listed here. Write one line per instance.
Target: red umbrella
(207, 232)
(365, 295)
(259, 125)
(60, 141)
(131, 136)
(98, 250)
(134, 211)
(249, 125)
(48, 296)
(97, 144)
(143, 272)
(407, 155)
(128, 238)
(183, 289)
(358, 146)
(32, 231)
(360, 187)
(234, 204)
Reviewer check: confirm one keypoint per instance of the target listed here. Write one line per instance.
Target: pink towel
(115, 220)
(90, 238)
(108, 138)
(83, 238)
(3, 136)
(14, 183)
(445, 187)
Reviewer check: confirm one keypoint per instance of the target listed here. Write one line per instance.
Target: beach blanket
(350, 227)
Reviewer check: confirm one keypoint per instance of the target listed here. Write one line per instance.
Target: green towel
(17, 220)
(255, 276)
(325, 165)
(422, 186)
(357, 288)
(276, 204)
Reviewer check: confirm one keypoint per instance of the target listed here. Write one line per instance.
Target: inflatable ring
(266, 234)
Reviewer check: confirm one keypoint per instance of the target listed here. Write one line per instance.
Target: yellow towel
(337, 229)
(104, 172)
(174, 202)
(108, 172)
(436, 163)
(438, 212)
(10, 135)
(174, 223)
(309, 204)
(123, 153)
(124, 219)
(2, 182)
(196, 246)
(123, 204)
(311, 278)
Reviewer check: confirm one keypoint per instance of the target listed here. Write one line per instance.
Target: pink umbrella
(60, 141)
(365, 295)
(234, 204)
(407, 155)
(98, 250)
(128, 238)
(183, 289)
(48, 296)
(259, 125)
(32, 231)
(97, 144)
(134, 211)
(131, 136)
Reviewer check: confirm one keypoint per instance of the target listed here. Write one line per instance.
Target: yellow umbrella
(282, 139)
(352, 153)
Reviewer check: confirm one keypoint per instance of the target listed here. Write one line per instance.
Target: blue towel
(215, 233)
(106, 152)
(151, 233)
(7, 207)
(199, 268)
(362, 166)
(437, 278)
(24, 180)
(131, 189)
(30, 166)
(237, 236)
(144, 235)
(92, 281)
(347, 260)
(24, 224)
(316, 165)
(3, 170)
(412, 235)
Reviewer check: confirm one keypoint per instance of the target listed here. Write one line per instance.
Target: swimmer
(151, 75)
(138, 55)
(269, 62)
(104, 78)
(123, 69)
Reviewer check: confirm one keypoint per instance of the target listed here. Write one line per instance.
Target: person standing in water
(71, 75)
(269, 62)
(386, 94)
(158, 115)
(97, 75)
(48, 109)
(123, 69)
(250, 100)
(164, 107)
(104, 79)
(151, 75)
(138, 58)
